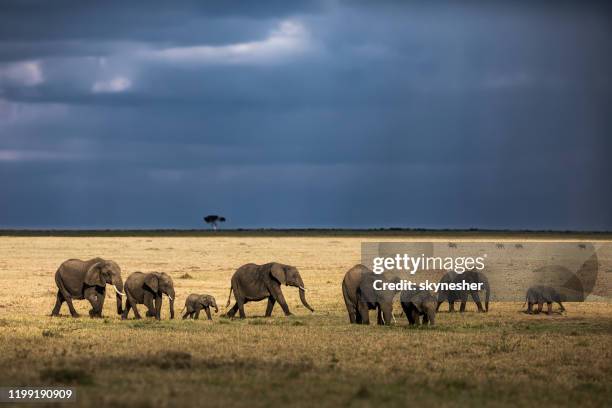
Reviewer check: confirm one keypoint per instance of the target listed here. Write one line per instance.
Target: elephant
(195, 303)
(541, 294)
(360, 296)
(416, 303)
(144, 288)
(77, 279)
(451, 296)
(252, 282)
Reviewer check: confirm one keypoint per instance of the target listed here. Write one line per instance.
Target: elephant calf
(542, 294)
(144, 288)
(417, 303)
(195, 303)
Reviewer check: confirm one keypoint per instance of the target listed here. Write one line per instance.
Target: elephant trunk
(387, 314)
(303, 295)
(118, 286)
(214, 303)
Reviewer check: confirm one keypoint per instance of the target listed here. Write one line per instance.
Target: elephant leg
(364, 313)
(561, 306)
(133, 304)
(451, 306)
(207, 310)
(405, 309)
(358, 318)
(540, 305)
(415, 316)
(463, 304)
(158, 306)
(549, 308)
(379, 317)
(270, 306)
(476, 299)
(58, 303)
(408, 312)
(148, 302)
(437, 306)
(240, 301)
(196, 314)
(280, 298)
(187, 313)
(232, 312)
(350, 307)
(94, 299)
(425, 319)
(529, 308)
(431, 316)
(124, 315)
(73, 311)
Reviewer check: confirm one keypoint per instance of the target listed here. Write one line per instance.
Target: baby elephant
(542, 294)
(195, 303)
(417, 303)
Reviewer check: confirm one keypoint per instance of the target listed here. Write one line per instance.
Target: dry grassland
(502, 358)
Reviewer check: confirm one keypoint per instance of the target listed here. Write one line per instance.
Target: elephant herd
(77, 279)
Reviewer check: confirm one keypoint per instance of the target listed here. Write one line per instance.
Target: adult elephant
(451, 296)
(252, 282)
(360, 296)
(77, 279)
(147, 288)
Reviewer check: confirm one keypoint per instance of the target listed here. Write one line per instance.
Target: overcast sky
(305, 114)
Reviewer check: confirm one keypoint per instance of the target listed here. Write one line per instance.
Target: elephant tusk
(170, 297)
(394, 321)
(302, 288)
(118, 292)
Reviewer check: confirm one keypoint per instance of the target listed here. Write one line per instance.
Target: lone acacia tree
(214, 220)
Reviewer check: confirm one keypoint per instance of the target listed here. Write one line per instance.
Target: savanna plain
(501, 358)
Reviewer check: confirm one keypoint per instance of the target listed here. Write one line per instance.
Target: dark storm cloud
(305, 114)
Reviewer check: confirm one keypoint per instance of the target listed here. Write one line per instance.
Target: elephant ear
(367, 289)
(152, 282)
(205, 301)
(93, 276)
(278, 272)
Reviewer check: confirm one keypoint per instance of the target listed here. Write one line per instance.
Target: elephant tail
(229, 298)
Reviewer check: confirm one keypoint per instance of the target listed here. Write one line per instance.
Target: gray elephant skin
(451, 296)
(417, 305)
(360, 296)
(77, 279)
(252, 283)
(540, 294)
(148, 288)
(195, 303)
